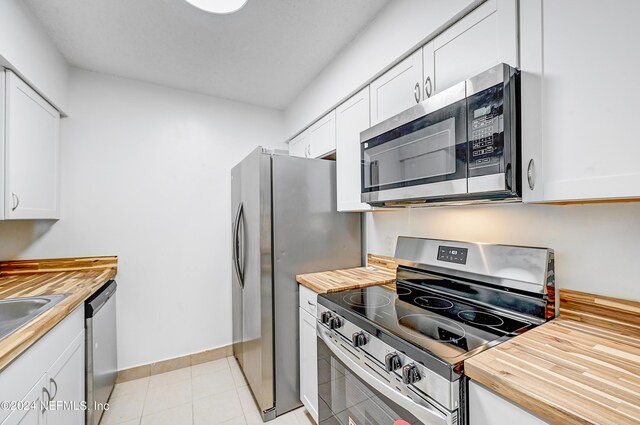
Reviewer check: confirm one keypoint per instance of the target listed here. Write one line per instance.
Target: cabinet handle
(310, 303)
(16, 201)
(428, 87)
(55, 386)
(531, 174)
(44, 405)
(416, 92)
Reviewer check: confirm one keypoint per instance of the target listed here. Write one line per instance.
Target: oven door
(352, 392)
(419, 154)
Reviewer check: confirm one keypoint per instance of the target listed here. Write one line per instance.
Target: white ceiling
(265, 54)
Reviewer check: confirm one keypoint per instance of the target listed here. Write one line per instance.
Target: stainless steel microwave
(461, 144)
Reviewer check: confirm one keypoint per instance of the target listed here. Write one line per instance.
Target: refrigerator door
(252, 282)
(236, 284)
(309, 235)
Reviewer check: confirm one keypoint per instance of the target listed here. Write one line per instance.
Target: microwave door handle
(426, 414)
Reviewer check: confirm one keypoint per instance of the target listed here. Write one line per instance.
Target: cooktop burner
(480, 318)
(402, 290)
(435, 303)
(432, 326)
(360, 299)
(445, 325)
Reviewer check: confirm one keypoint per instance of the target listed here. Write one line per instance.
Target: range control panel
(486, 131)
(452, 254)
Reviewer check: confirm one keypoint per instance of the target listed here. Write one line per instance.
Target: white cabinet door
(322, 135)
(587, 149)
(35, 414)
(352, 117)
(308, 353)
(428, 71)
(65, 381)
(482, 39)
(299, 146)
(308, 364)
(44, 360)
(488, 408)
(397, 89)
(31, 149)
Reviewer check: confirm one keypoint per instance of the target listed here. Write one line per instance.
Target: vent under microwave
(459, 146)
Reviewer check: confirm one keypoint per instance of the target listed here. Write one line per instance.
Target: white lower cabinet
(488, 408)
(65, 380)
(308, 352)
(34, 415)
(48, 378)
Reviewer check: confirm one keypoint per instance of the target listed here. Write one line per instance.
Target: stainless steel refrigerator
(285, 222)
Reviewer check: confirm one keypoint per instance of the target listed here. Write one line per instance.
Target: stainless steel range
(396, 352)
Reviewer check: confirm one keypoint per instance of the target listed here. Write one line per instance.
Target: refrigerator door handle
(236, 246)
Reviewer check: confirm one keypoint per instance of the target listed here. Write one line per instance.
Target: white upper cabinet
(352, 117)
(299, 145)
(579, 134)
(322, 135)
(397, 89)
(317, 141)
(31, 145)
(484, 38)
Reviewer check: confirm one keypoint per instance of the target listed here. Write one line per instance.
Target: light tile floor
(213, 393)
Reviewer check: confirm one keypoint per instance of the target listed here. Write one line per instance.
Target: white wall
(400, 26)
(146, 176)
(27, 50)
(596, 245)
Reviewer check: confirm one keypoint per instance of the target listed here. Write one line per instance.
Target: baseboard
(174, 364)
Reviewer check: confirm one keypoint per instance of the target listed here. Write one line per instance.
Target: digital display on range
(452, 254)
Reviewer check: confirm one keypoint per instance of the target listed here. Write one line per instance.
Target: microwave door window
(426, 153)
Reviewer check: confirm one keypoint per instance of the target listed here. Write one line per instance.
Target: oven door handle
(428, 415)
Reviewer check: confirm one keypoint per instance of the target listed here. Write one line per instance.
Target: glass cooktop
(449, 327)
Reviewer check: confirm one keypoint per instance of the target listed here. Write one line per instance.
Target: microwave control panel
(486, 132)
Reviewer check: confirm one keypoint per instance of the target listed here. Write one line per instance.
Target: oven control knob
(335, 322)
(410, 374)
(325, 316)
(358, 339)
(392, 362)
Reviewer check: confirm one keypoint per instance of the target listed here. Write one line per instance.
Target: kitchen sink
(17, 312)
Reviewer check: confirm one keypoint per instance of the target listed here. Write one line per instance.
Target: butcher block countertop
(381, 270)
(77, 277)
(581, 368)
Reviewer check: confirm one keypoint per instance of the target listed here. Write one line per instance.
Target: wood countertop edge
(12, 346)
(315, 289)
(383, 277)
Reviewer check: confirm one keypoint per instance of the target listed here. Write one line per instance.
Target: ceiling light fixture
(218, 6)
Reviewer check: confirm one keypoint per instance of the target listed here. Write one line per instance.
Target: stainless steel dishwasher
(101, 355)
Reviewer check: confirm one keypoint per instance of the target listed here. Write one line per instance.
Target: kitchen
(150, 107)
